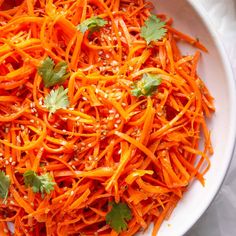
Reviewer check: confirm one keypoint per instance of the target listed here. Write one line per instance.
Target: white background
(220, 218)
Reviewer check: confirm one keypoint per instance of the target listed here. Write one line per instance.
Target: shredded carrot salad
(101, 117)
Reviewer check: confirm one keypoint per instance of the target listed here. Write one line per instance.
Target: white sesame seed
(107, 56)
(7, 162)
(32, 121)
(1, 154)
(12, 202)
(119, 33)
(6, 130)
(90, 145)
(105, 95)
(72, 192)
(117, 116)
(96, 90)
(73, 167)
(84, 98)
(118, 121)
(116, 125)
(123, 104)
(100, 52)
(114, 63)
(119, 152)
(13, 163)
(25, 197)
(10, 159)
(109, 38)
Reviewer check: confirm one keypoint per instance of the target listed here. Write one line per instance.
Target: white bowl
(216, 71)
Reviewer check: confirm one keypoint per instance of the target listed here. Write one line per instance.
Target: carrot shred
(107, 144)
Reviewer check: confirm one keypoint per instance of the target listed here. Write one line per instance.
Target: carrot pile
(107, 145)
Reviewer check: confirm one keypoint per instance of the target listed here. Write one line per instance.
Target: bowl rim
(202, 13)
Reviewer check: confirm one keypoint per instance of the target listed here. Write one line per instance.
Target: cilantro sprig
(56, 99)
(92, 24)
(147, 85)
(118, 216)
(153, 30)
(53, 74)
(39, 184)
(4, 185)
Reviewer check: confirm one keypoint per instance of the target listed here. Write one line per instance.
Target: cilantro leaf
(38, 183)
(92, 24)
(53, 74)
(118, 216)
(56, 99)
(153, 30)
(4, 185)
(147, 85)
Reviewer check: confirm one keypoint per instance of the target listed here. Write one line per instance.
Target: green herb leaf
(53, 74)
(92, 24)
(4, 185)
(118, 216)
(42, 184)
(153, 30)
(56, 99)
(147, 85)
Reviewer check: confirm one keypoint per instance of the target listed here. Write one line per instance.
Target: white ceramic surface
(215, 70)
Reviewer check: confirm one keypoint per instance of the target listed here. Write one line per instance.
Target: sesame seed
(115, 125)
(109, 38)
(6, 130)
(10, 159)
(114, 63)
(100, 52)
(117, 116)
(72, 192)
(105, 95)
(96, 90)
(90, 145)
(25, 197)
(123, 104)
(12, 202)
(131, 67)
(32, 104)
(84, 98)
(13, 163)
(118, 121)
(119, 152)
(119, 33)
(107, 56)
(7, 162)
(32, 121)
(1, 154)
